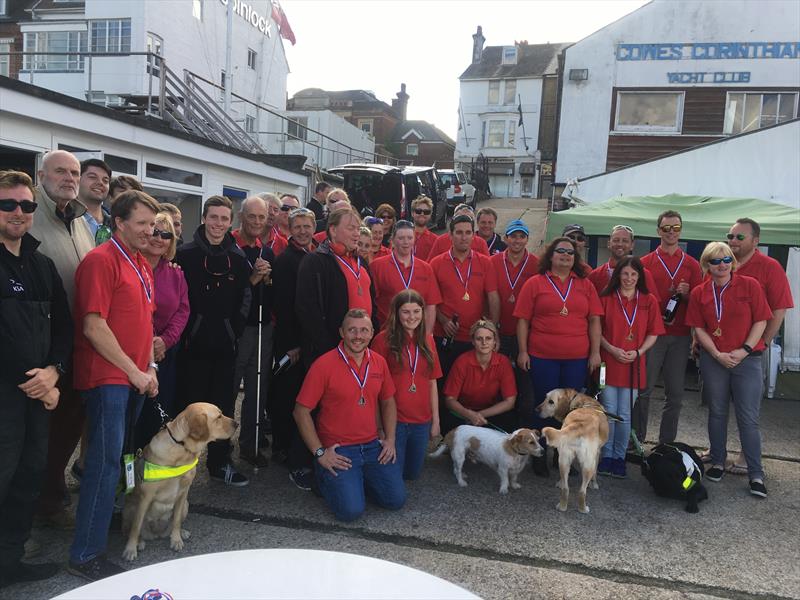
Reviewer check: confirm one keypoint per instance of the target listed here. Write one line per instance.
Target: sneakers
(301, 478)
(605, 466)
(757, 488)
(97, 568)
(21, 572)
(62, 519)
(715, 473)
(229, 476)
(618, 469)
(257, 460)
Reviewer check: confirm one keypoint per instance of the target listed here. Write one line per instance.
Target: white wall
(764, 164)
(586, 105)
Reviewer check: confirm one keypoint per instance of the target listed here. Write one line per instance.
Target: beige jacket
(65, 248)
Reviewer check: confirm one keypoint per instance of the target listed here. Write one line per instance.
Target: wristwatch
(747, 349)
(319, 452)
(153, 366)
(60, 368)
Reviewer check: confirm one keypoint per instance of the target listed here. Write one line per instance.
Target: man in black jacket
(217, 274)
(317, 202)
(36, 333)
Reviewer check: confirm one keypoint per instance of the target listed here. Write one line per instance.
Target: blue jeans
(345, 493)
(617, 400)
(412, 444)
(106, 412)
(548, 374)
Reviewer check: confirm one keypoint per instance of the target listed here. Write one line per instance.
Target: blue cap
(517, 225)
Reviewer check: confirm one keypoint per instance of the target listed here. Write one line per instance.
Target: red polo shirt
(477, 389)
(689, 272)
(743, 303)
(331, 386)
(647, 321)
(480, 282)
(769, 273)
(275, 241)
(386, 276)
(444, 243)
(358, 283)
(108, 284)
(551, 334)
(423, 243)
(382, 251)
(412, 407)
(320, 236)
(602, 275)
(500, 262)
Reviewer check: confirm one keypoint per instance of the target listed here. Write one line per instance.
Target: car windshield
(448, 178)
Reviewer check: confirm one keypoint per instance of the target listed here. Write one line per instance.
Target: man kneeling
(352, 458)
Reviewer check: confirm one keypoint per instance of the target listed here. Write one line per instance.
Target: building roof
(58, 5)
(334, 99)
(426, 131)
(534, 60)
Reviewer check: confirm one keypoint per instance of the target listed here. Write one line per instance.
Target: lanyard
(564, 311)
(260, 255)
(609, 270)
(406, 284)
(145, 285)
(356, 272)
(495, 237)
(361, 382)
(672, 274)
(458, 273)
(718, 299)
(513, 284)
(632, 319)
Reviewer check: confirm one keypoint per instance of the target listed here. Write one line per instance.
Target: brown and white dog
(506, 453)
(159, 503)
(581, 437)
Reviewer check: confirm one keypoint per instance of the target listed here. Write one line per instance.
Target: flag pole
(521, 122)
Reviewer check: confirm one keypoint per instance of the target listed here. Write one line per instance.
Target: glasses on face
(10, 205)
(301, 212)
(422, 211)
(384, 217)
(625, 227)
(577, 237)
(724, 260)
(671, 228)
(164, 235)
(287, 207)
(567, 251)
(739, 236)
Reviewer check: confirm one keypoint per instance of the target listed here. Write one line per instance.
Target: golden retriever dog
(159, 503)
(581, 437)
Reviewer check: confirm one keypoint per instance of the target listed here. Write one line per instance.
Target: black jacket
(219, 295)
(316, 207)
(35, 322)
(322, 301)
(284, 283)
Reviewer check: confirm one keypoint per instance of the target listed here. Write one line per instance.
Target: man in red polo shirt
(352, 457)
(445, 242)
(424, 238)
(114, 358)
(272, 237)
(620, 245)
(467, 283)
(400, 271)
(675, 274)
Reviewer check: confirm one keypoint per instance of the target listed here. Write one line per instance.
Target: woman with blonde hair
(729, 313)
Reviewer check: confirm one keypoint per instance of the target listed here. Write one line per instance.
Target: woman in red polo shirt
(558, 328)
(411, 355)
(376, 228)
(480, 388)
(729, 313)
(631, 324)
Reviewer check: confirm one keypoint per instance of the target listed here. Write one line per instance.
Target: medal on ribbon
(513, 284)
(361, 382)
(718, 307)
(144, 279)
(632, 319)
(356, 272)
(563, 312)
(672, 274)
(465, 297)
(406, 283)
(413, 366)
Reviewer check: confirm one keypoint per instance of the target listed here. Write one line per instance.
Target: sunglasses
(716, 261)
(739, 236)
(9, 205)
(670, 228)
(164, 235)
(287, 207)
(370, 221)
(422, 211)
(577, 237)
(623, 227)
(567, 251)
(301, 212)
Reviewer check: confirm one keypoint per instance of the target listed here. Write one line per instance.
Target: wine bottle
(447, 342)
(671, 309)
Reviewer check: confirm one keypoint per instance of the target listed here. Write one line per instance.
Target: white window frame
(300, 125)
(3, 7)
(512, 133)
(5, 59)
(252, 58)
(54, 63)
(154, 44)
(119, 44)
(197, 9)
(489, 134)
(674, 129)
(250, 124)
(513, 55)
(728, 125)
(366, 125)
(506, 100)
(410, 152)
(494, 85)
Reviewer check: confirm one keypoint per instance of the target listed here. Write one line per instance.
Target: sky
(378, 44)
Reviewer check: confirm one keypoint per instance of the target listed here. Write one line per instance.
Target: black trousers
(285, 435)
(203, 379)
(24, 429)
(506, 421)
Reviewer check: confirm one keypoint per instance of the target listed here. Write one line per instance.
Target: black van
(370, 185)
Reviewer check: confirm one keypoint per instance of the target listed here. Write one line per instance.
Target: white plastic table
(278, 573)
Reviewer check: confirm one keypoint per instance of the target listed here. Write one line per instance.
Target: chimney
(400, 105)
(477, 45)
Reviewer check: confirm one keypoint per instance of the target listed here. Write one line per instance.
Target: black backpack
(675, 471)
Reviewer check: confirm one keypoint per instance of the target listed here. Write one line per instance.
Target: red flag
(283, 23)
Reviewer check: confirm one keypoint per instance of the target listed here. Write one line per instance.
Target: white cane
(258, 374)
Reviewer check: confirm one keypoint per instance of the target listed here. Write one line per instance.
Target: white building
(675, 75)
(502, 85)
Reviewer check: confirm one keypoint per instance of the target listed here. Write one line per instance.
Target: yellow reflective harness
(154, 472)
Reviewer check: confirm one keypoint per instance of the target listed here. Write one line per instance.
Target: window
(296, 128)
(494, 92)
(190, 205)
(5, 58)
(249, 123)
(412, 150)
(512, 133)
(510, 55)
(222, 78)
(3, 7)
(164, 173)
(155, 45)
(649, 111)
(251, 58)
(366, 125)
(746, 112)
(111, 36)
(497, 130)
(55, 41)
(120, 164)
(197, 9)
(510, 91)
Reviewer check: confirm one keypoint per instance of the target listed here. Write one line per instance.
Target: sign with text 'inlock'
(251, 15)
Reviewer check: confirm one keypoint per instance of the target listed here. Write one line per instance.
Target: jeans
(744, 385)
(24, 425)
(618, 401)
(345, 493)
(525, 400)
(247, 368)
(412, 444)
(106, 414)
(549, 374)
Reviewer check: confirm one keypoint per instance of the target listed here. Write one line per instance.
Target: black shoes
(757, 488)
(22, 572)
(94, 570)
(229, 476)
(715, 474)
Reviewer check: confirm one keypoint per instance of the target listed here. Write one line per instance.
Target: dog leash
(488, 423)
(637, 446)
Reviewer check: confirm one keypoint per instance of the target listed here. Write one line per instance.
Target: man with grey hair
(66, 238)
(272, 237)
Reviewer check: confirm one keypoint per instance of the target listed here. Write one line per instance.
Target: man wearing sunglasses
(576, 233)
(37, 336)
(674, 272)
(424, 238)
(288, 203)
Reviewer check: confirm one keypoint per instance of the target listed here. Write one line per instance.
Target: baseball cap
(573, 227)
(517, 225)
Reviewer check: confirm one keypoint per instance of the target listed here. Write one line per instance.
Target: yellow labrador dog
(159, 503)
(581, 437)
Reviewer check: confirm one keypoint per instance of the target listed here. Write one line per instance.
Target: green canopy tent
(704, 218)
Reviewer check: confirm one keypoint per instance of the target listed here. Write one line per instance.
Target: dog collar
(154, 472)
(172, 436)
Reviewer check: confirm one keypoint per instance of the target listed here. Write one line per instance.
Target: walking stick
(258, 372)
(637, 446)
